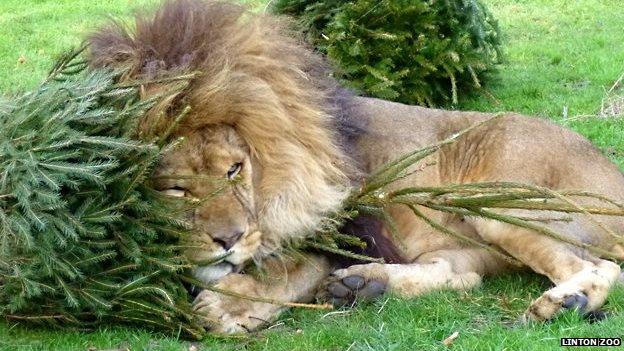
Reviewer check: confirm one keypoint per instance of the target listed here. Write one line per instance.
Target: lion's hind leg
(582, 281)
(443, 269)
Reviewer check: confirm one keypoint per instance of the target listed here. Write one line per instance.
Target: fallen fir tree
(84, 240)
(415, 52)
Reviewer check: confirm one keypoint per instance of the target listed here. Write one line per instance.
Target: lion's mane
(255, 75)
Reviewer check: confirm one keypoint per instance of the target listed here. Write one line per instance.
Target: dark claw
(354, 282)
(577, 301)
(595, 316)
(338, 290)
(373, 289)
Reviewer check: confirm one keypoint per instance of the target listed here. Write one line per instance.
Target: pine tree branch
(342, 252)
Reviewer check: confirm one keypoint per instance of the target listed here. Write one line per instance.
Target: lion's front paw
(346, 286)
(225, 315)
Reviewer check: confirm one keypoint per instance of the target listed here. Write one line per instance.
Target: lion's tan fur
(263, 100)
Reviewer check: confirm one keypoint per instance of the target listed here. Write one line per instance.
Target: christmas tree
(416, 52)
(84, 241)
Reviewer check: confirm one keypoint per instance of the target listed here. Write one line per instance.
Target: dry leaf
(449, 341)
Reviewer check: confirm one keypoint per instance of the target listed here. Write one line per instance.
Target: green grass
(35, 31)
(560, 54)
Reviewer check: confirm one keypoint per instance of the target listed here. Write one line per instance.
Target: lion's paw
(584, 292)
(547, 306)
(222, 315)
(347, 286)
(550, 304)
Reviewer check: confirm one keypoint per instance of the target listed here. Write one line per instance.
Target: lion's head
(261, 116)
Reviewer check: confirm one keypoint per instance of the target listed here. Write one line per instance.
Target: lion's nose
(228, 242)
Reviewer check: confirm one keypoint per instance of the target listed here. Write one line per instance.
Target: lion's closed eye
(175, 192)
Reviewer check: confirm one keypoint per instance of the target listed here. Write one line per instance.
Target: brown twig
(342, 252)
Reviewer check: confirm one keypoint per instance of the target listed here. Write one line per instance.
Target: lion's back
(511, 147)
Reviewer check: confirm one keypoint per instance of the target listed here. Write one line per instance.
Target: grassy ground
(562, 56)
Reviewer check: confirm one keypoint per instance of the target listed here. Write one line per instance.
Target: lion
(267, 113)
